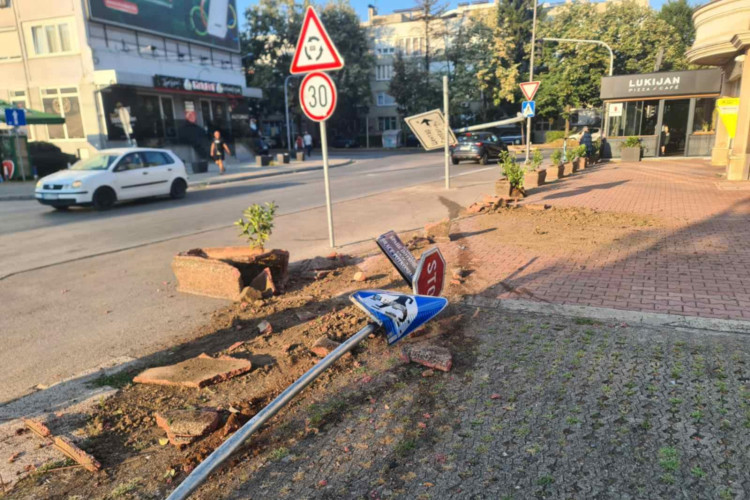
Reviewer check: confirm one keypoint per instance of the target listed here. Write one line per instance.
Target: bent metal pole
(223, 452)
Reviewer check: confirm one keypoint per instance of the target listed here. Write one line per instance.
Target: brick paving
(697, 263)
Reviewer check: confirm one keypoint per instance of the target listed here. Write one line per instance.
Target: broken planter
(223, 272)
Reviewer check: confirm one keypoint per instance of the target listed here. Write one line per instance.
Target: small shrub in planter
(259, 224)
(556, 157)
(631, 149)
(512, 185)
(580, 161)
(556, 170)
(536, 176)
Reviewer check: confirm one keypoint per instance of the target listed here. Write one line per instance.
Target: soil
(122, 433)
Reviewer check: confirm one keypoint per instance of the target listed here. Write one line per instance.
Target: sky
(385, 6)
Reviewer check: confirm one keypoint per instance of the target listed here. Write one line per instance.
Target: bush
(536, 159)
(632, 142)
(581, 151)
(513, 170)
(259, 224)
(557, 157)
(553, 135)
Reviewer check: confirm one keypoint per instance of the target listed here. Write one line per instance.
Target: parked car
(477, 146)
(596, 134)
(412, 141)
(511, 137)
(114, 175)
(48, 158)
(344, 142)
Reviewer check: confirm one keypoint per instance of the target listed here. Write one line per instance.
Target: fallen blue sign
(399, 313)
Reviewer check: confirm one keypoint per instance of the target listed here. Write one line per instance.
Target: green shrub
(581, 151)
(259, 224)
(513, 170)
(553, 135)
(536, 159)
(632, 142)
(557, 157)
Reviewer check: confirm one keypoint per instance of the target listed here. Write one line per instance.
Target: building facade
(722, 39)
(156, 71)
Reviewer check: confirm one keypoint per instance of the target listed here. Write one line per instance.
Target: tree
(431, 12)
(679, 15)
(413, 89)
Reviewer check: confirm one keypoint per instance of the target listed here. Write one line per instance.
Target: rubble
(359, 276)
(324, 346)
(429, 355)
(440, 232)
(195, 372)
(64, 445)
(185, 426)
(264, 284)
(265, 328)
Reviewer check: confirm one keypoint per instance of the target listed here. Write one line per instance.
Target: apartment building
(403, 31)
(153, 70)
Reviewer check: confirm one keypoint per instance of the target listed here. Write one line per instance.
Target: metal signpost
(448, 133)
(433, 131)
(316, 52)
(400, 256)
(426, 277)
(16, 117)
(530, 82)
(399, 314)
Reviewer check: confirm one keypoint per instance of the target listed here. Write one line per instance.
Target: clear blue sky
(385, 6)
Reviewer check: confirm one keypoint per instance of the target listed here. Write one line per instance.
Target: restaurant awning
(33, 117)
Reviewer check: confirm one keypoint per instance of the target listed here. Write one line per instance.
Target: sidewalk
(236, 172)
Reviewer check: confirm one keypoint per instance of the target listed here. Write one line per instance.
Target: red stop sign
(430, 275)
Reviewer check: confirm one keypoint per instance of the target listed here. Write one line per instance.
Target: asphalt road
(84, 289)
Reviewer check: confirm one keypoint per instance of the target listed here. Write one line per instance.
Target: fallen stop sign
(430, 275)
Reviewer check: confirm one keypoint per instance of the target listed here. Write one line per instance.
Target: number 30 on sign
(317, 94)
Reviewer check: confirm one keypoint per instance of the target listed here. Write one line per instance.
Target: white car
(114, 175)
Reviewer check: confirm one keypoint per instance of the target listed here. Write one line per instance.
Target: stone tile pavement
(696, 262)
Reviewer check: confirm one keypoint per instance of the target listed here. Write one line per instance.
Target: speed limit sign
(317, 94)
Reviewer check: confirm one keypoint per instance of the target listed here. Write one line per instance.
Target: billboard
(207, 22)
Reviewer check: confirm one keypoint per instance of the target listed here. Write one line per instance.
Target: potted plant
(536, 176)
(570, 159)
(580, 161)
(631, 149)
(512, 185)
(555, 171)
(597, 151)
(223, 272)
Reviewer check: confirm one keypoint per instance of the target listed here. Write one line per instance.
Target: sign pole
(18, 153)
(324, 148)
(531, 79)
(446, 106)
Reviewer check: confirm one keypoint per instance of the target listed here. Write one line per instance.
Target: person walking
(218, 147)
(299, 144)
(308, 144)
(586, 141)
(665, 136)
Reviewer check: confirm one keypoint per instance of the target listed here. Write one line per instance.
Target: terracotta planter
(300, 156)
(222, 272)
(630, 154)
(581, 163)
(534, 179)
(503, 189)
(282, 158)
(553, 173)
(567, 169)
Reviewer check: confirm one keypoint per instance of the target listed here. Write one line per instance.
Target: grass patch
(124, 489)
(55, 465)
(117, 380)
(585, 321)
(278, 454)
(698, 472)
(669, 459)
(545, 480)
(321, 411)
(404, 447)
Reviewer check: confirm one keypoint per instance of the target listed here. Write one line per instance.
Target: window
(156, 158)
(385, 50)
(387, 123)
(64, 102)
(383, 72)
(638, 118)
(132, 161)
(411, 46)
(385, 100)
(10, 49)
(704, 119)
(52, 38)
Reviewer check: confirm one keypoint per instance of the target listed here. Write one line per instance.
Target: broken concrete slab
(195, 372)
(185, 426)
(429, 355)
(264, 284)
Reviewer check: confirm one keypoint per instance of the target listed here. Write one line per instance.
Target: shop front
(672, 113)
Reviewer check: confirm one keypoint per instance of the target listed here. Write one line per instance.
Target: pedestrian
(665, 136)
(218, 147)
(308, 144)
(299, 144)
(586, 141)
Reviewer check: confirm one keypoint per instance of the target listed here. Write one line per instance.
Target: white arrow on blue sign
(15, 117)
(528, 109)
(399, 313)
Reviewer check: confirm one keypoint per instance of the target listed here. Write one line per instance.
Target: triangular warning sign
(315, 50)
(529, 89)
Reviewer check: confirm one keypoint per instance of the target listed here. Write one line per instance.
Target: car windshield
(97, 162)
(473, 138)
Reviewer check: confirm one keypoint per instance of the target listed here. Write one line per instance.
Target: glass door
(674, 127)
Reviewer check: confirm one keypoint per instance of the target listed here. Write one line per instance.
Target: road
(85, 289)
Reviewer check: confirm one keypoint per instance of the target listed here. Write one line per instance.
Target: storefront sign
(704, 81)
(728, 108)
(189, 85)
(615, 109)
(209, 23)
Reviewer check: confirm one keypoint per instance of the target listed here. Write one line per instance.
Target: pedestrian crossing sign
(528, 109)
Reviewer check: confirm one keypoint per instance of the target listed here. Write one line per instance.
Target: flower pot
(222, 272)
(503, 189)
(534, 179)
(567, 169)
(300, 156)
(630, 154)
(282, 158)
(553, 173)
(581, 163)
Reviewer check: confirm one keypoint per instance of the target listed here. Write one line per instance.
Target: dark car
(511, 137)
(344, 142)
(48, 158)
(411, 141)
(477, 146)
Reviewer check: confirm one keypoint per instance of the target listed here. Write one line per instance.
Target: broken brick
(69, 448)
(235, 346)
(359, 276)
(263, 283)
(265, 328)
(431, 356)
(324, 346)
(195, 372)
(185, 426)
(476, 208)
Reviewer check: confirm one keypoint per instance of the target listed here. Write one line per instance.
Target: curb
(263, 175)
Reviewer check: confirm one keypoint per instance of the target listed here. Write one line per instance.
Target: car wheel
(104, 198)
(455, 161)
(484, 159)
(178, 189)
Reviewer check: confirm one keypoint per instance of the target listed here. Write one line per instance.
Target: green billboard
(208, 22)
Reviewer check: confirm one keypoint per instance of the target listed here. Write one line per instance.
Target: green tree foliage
(414, 89)
(679, 15)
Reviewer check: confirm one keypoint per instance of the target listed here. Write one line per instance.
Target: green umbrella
(33, 117)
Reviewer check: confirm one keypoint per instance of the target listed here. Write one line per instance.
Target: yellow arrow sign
(728, 108)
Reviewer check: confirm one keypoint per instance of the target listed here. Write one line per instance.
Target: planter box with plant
(555, 171)
(631, 149)
(512, 185)
(536, 176)
(227, 272)
(580, 162)
(570, 158)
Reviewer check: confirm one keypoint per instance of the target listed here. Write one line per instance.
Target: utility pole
(446, 112)
(531, 79)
